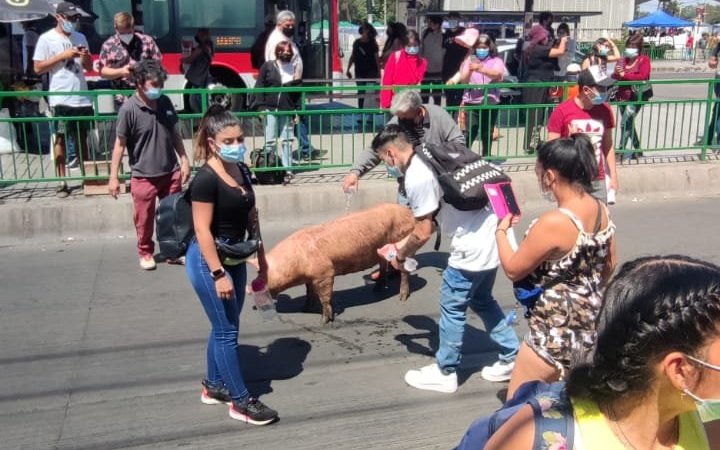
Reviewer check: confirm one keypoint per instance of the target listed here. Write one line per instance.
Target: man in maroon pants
(147, 126)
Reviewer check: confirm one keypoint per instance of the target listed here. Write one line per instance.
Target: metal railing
(337, 131)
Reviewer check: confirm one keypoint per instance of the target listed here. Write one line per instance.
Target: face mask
(153, 93)
(412, 50)
(68, 26)
(546, 192)
(126, 38)
(288, 31)
(453, 24)
(631, 52)
(482, 53)
(603, 51)
(408, 124)
(394, 172)
(231, 153)
(599, 98)
(708, 409)
(284, 57)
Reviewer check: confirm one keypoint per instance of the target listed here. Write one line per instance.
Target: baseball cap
(68, 9)
(594, 76)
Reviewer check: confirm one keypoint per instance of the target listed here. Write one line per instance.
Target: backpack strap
(554, 425)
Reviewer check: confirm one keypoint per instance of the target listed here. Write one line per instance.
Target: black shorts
(72, 126)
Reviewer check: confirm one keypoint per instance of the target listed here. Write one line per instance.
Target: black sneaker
(214, 396)
(253, 411)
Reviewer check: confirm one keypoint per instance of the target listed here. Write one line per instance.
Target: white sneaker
(148, 263)
(431, 378)
(500, 371)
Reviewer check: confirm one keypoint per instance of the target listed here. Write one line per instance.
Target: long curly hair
(653, 306)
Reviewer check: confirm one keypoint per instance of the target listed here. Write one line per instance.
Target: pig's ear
(254, 262)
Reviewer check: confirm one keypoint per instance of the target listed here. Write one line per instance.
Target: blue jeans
(223, 361)
(303, 138)
(459, 290)
(280, 127)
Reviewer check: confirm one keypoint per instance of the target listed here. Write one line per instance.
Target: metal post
(527, 22)
(370, 11)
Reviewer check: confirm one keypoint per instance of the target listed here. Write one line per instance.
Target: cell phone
(502, 199)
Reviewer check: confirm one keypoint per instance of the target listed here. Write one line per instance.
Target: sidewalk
(660, 66)
(38, 216)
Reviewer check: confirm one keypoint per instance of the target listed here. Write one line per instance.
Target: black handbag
(642, 92)
(232, 253)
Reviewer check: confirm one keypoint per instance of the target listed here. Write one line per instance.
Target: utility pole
(370, 11)
(528, 19)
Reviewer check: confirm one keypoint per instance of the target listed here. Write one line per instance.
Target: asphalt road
(97, 354)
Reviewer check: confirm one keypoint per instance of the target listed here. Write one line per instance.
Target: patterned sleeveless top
(563, 320)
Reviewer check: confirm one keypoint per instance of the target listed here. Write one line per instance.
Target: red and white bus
(234, 25)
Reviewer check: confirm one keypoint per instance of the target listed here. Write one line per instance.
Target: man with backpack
(147, 126)
(470, 275)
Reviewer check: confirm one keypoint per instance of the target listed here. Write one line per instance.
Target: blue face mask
(482, 53)
(599, 98)
(231, 153)
(708, 409)
(394, 172)
(631, 52)
(603, 51)
(68, 26)
(412, 50)
(153, 93)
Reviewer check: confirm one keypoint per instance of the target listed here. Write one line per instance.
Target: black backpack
(261, 159)
(174, 224)
(461, 173)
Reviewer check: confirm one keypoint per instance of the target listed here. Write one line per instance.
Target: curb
(102, 217)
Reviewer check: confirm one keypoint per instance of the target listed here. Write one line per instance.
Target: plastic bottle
(389, 252)
(511, 318)
(263, 300)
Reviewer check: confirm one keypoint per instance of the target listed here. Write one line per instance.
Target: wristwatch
(218, 273)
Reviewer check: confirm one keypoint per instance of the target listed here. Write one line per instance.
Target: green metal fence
(338, 131)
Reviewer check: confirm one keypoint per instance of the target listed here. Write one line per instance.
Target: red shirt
(569, 118)
(401, 69)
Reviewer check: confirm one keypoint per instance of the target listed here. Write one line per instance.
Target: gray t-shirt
(150, 136)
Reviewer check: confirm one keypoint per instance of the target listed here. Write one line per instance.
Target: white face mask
(708, 409)
(126, 38)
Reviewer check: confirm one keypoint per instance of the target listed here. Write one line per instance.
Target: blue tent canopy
(659, 19)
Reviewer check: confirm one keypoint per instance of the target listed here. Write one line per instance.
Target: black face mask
(284, 57)
(408, 124)
(288, 31)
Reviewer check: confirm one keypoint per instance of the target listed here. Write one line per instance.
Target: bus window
(222, 14)
(106, 10)
(156, 18)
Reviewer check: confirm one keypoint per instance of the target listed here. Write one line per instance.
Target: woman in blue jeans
(223, 207)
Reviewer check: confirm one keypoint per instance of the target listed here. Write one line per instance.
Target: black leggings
(481, 122)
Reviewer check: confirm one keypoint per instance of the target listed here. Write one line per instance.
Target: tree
(671, 7)
(356, 10)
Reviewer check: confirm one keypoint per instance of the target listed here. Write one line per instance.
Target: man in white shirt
(285, 31)
(469, 277)
(63, 53)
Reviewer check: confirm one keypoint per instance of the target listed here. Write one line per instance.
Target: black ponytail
(573, 158)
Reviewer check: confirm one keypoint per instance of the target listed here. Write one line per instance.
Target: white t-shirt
(473, 247)
(65, 76)
(274, 39)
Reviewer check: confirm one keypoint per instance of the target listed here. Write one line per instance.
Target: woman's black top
(231, 206)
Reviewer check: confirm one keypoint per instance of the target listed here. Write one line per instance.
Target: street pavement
(97, 354)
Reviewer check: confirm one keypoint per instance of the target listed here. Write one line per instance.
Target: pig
(313, 256)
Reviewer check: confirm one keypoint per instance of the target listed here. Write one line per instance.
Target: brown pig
(313, 256)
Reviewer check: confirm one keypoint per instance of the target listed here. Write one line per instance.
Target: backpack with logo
(461, 173)
(552, 414)
(262, 159)
(174, 224)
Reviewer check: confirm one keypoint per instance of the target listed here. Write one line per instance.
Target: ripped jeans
(462, 289)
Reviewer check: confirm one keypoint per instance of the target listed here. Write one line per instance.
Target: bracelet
(503, 231)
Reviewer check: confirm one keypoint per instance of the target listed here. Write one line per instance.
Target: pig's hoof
(404, 297)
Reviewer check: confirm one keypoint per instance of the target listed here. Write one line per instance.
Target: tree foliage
(356, 11)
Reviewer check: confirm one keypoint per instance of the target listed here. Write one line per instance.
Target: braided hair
(654, 306)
